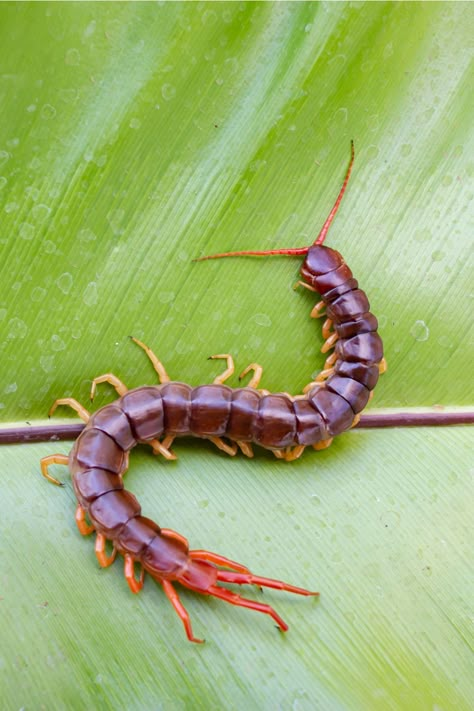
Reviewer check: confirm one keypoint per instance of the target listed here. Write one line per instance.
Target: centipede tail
(244, 416)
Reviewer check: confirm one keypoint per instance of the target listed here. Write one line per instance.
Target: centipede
(233, 419)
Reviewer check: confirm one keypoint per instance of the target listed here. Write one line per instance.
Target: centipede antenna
(322, 235)
(296, 251)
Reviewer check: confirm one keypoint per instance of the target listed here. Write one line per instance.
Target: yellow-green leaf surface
(136, 136)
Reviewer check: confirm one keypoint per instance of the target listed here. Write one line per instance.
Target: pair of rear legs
(234, 573)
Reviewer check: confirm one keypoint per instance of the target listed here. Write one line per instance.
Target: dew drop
(47, 363)
(262, 320)
(86, 235)
(4, 156)
(135, 123)
(17, 328)
(73, 57)
(90, 296)
(57, 343)
(3, 182)
(31, 108)
(420, 331)
(41, 212)
(26, 231)
(90, 29)
(114, 218)
(48, 112)
(64, 282)
(10, 388)
(38, 293)
(166, 297)
(168, 92)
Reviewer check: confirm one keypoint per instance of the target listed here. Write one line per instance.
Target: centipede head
(296, 251)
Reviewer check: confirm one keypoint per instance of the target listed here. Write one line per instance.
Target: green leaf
(135, 137)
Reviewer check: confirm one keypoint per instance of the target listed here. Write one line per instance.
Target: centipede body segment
(234, 419)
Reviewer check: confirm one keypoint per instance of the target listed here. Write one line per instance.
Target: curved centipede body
(232, 418)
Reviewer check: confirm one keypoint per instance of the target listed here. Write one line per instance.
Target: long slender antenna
(295, 251)
(322, 235)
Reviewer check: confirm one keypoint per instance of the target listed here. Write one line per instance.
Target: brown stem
(54, 433)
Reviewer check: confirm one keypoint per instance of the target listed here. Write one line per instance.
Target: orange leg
(134, 584)
(245, 448)
(53, 459)
(157, 364)
(231, 450)
(112, 379)
(163, 447)
(292, 453)
(329, 343)
(102, 557)
(306, 286)
(327, 328)
(235, 599)
(317, 311)
(383, 366)
(228, 371)
(256, 377)
(218, 560)
(251, 579)
(323, 444)
(84, 527)
(169, 533)
(355, 421)
(330, 360)
(81, 411)
(173, 597)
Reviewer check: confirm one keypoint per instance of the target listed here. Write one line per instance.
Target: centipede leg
(104, 559)
(70, 402)
(323, 444)
(231, 450)
(292, 453)
(355, 421)
(157, 364)
(382, 366)
(162, 447)
(326, 330)
(330, 361)
(329, 343)
(84, 528)
(129, 570)
(317, 311)
(170, 533)
(256, 377)
(245, 448)
(218, 560)
(112, 379)
(305, 285)
(227, 372)
(235, 599)
(53, 459)
(173, 597)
